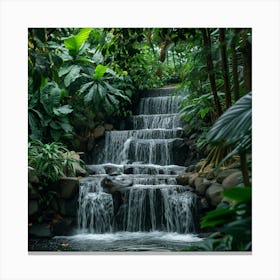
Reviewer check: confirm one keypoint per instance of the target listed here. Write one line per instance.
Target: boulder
(201, 184)
(68, 187)
(210, 175)
(183, 178)
(234, 165)
(192, 178)
(112, 185)
(223, 174)
(32, 176)
(33, 207)
(113, 169)
(91, 170)
(213, 194)
(232, 180)
(99, 131)
(79, 170)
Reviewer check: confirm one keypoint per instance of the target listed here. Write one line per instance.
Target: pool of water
(155, 241)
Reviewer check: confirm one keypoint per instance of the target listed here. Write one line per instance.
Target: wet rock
(99, 131)
(79, 171)
(213, 194)
(201, 184)
(33, 207)
(112, 185)
(223, 174)
(32, 175)
(69, 187)
(183, 179)
(192, 178)
(210, 175)
(95, 169)
(232, 180)
(113, 170)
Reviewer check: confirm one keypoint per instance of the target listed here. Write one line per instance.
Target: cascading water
(142, 164)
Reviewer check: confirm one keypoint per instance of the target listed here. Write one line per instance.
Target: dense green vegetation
(80, 78)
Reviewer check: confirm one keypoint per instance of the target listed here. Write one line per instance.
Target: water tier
(141, 166)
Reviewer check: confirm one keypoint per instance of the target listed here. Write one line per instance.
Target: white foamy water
(140, 235)
(154, 241)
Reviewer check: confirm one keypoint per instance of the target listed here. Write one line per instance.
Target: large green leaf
(72, 75)
(63, 110)
(239, 229)
(50, 97)
(239, 194)
(217, 217)
(65, 69)
(99, 72)
(91, 93)
(84, 87)
(234, 123)
(74, 43)
(66, 127)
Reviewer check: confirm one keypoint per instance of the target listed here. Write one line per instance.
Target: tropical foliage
(233, 218)
(51, 161)
(78, 78)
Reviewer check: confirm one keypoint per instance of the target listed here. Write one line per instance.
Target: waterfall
(95, 211)
(146, 156)
(167, 121)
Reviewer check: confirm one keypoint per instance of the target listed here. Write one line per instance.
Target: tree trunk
(235, 67)
(210, 67)
(247, 61)
(225, 67)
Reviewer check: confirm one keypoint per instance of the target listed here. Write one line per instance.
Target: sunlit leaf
(74, 43)
(99, 71)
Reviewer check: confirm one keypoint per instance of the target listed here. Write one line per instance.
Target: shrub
(50, 160)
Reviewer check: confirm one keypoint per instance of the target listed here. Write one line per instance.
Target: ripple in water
(155, 241)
